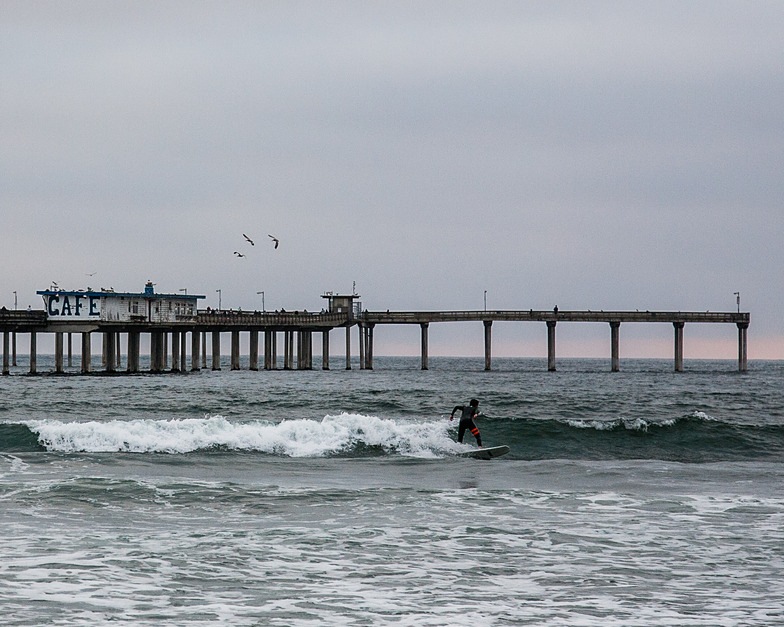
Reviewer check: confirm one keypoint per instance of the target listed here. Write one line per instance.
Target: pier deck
(532, 315)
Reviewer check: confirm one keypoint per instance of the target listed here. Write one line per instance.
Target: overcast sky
(593, 155)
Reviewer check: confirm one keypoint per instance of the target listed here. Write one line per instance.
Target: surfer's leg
(460, 431)
(475, 433)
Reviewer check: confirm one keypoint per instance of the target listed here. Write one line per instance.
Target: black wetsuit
(467, 422)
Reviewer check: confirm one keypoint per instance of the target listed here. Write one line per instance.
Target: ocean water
(644, 497)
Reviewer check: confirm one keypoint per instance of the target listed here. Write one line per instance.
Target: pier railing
(14, 320)
(289, 319)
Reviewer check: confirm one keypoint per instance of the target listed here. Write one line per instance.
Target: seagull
(274, 239)
(238, 254)
(90, 274)
(249, 239)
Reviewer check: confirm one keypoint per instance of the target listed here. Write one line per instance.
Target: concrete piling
(678, 326)
(195, 350)
(423, 331)
(615, 361)
(58, 353)
(33, 352)
(134, 341)
(743, 346)
(235, 350)
(216, 350)
(86, 349)
(488, 343)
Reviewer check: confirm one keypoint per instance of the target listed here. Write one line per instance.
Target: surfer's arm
(457, 408)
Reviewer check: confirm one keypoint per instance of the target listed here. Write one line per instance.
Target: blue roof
(117, 294)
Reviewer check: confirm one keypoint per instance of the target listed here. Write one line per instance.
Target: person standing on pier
(469, 413)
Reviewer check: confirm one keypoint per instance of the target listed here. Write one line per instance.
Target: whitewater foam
(295, 438)
(630, 424)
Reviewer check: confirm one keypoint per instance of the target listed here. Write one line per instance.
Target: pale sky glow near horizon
(590, 155)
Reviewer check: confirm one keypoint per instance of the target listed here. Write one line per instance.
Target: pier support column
(86, 349)
(308, 335)
(743, 329)
(109, 351)
(134, 338)
(183, 351)
(175, 351)
(488, 343)
(369, 347)
(33, 352)
(424, 326)
(195, 350)
(615, 334)
(362, 345)
(70, 350)
(325, 349)
(235, 350)
(253, 350)
(6, 369)
(274, 350)
(157, 345)
(268, 350)
(678, 346)
(119, 350)
(58, 353)
(204, 349)
(348, 347)
(304, 360)
(216, 350)
(288, 350)
(13, 348)
(551, 345)
(153, 352)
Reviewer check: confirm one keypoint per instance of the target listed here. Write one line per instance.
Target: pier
(169, 342)
(614, 319)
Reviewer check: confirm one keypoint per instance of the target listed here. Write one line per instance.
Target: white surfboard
(486, 453)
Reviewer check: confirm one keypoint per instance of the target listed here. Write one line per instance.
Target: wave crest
(333, 435)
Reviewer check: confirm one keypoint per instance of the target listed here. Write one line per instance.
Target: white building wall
(135, 309)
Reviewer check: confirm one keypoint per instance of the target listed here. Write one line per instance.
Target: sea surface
(300, 498)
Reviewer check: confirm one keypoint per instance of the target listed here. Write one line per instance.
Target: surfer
(469, 412)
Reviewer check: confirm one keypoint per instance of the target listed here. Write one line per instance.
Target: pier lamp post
(13, 336)
(485, 300)
(262, 301)
(183, 289)
(737, 299)
(220, 302)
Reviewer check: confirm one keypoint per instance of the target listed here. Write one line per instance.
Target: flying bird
(238, 254)
(274, 239)
(249, 239)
